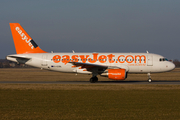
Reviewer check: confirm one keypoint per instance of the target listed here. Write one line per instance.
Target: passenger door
(149, 60)
(44, 61)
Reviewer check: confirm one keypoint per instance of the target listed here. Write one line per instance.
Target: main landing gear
(149, 78)
(94, 79)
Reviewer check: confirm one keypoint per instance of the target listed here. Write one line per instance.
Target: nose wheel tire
(149, 80)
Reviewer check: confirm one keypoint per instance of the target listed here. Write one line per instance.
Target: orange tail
(22, 41)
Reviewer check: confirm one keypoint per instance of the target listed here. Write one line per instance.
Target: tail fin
(22, 41)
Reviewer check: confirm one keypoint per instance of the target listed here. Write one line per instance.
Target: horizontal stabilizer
(18, 59)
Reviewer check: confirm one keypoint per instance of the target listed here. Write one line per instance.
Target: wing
(93, 67)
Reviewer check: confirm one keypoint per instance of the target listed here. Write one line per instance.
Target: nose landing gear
(149, 78)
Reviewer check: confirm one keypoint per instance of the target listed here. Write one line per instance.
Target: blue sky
(95, 25)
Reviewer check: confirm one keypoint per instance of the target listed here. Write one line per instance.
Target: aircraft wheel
(149, 80)
(96, 79)
(93, 79)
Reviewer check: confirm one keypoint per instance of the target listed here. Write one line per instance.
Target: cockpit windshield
(163, 59)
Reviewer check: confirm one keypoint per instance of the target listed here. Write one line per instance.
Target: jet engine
(115, 74)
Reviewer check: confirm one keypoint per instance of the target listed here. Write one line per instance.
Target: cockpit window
(163, 59)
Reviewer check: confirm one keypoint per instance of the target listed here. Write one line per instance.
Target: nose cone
(171, 66)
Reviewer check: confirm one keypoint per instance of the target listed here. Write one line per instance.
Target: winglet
(22, 41)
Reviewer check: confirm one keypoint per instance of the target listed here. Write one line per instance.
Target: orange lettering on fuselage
(129, 59)
(121, 60)
(56, 58)
(65, 59)
(84, 59)
(102, 58)
(138, 56)
(75, 58)
(94, 59)
(111, 58)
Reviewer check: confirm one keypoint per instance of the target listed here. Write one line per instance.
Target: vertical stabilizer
(22, 41)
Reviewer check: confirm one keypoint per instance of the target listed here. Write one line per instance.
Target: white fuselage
(132, 62)
(115, 66)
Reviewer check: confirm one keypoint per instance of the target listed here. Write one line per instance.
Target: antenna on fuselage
(73, 51)
(147, 52)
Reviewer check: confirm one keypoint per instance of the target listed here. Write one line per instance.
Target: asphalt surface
(87, 82)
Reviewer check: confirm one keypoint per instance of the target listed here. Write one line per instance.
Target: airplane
(115, 66)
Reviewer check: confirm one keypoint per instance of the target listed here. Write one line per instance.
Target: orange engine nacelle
(117, 74)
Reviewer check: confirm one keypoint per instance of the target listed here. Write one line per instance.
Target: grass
(89, 104)
(86, 101)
